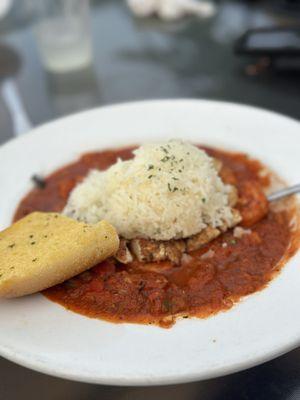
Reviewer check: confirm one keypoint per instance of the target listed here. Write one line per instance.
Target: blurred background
(59, 57)
(62, 56)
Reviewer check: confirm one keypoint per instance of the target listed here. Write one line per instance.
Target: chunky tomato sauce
(207, 281)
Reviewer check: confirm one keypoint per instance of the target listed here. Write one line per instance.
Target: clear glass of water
(63, 34)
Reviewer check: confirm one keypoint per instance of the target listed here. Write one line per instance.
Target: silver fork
(280, 194)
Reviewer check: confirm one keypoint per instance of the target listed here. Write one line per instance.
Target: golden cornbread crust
(44, 249)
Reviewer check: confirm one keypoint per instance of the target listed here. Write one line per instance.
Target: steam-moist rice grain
(169, 190)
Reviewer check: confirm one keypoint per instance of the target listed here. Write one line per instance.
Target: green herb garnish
(164, 149)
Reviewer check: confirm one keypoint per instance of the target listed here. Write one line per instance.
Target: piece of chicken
(146, 250)
(154, 251)
(251, 206)
(123, 255)
(197, 241)
(208, 234)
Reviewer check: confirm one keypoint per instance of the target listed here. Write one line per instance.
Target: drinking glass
(63, 34)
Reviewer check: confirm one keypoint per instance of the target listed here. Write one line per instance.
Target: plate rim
(35, 130)
(140, 381)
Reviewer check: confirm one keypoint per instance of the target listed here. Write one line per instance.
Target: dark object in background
(290, 4)
(39, 181)
(278, 47)
(270, 42)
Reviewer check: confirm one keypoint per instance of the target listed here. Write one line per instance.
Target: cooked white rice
(168, 190)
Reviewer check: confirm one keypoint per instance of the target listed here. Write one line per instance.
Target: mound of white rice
(168, 190)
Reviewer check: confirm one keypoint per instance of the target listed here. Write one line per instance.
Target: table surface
(135, 60)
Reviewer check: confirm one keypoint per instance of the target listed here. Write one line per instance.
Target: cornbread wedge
(44, 249)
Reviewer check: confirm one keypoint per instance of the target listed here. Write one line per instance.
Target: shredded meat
(197, 241)
(123, 254)
(146, 250)
(153, 251)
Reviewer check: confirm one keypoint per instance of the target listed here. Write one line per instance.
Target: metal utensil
(12, 98)
(9, 67)
(280, 194)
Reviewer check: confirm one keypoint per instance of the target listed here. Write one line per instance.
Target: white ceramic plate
(42, 335)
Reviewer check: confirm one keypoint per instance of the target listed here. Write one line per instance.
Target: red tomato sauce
(158, 293)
